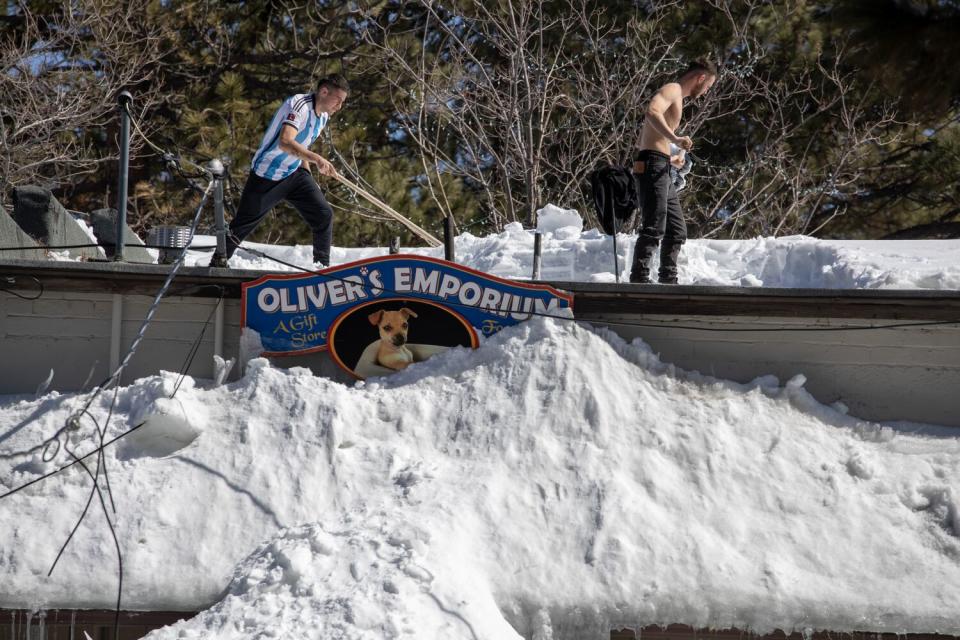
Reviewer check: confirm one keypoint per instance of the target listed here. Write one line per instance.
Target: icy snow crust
(572, 254)
(556, 483)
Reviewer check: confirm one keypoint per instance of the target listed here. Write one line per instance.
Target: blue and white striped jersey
(270, 162)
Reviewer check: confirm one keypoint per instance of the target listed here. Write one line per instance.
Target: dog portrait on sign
(387, 336)
(393, 326)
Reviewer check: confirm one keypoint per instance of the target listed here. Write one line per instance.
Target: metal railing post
(217, 170)
(124, 100)
(536, 254)
(616, 257)
(448, 235)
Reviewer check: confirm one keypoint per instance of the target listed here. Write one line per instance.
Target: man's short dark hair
(701, 66)
(334, 81)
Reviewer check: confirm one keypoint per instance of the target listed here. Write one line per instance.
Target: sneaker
(668, 281)
(638, 279)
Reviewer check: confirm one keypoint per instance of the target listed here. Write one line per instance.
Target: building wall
(910, 373)
(71, 334)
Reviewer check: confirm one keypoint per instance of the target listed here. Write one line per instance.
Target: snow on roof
(572, 254)
(557, 482)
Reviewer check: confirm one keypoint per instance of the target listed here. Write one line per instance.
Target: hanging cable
(50, 474)
(195, 347)
(12, 280)
(59, 247)
(73, 423)
(163, 290)
(53, 445)
(163, 152)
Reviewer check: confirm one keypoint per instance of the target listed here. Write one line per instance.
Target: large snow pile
(555, 483)
(572, 254)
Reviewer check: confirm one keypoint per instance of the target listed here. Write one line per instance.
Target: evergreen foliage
(834, 118)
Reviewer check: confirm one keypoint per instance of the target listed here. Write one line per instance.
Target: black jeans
(299, 189)
(662, 219)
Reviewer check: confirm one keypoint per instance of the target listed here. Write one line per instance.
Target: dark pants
(662, 220)
(299, 189)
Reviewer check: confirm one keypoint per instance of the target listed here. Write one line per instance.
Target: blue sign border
(292, 298)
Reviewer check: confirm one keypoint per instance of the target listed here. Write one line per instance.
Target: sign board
(380, 315)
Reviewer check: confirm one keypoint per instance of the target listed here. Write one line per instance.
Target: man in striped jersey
(280, 169)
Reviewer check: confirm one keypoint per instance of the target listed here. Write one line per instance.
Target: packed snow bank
(557, 482)
(572, 254)
(363, 577)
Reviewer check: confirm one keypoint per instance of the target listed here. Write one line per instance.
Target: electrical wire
(166, 155)
(174, 161)
(195, 347)
(667, 325)
(103, 444)
(654, 325)
(58, 247)
(102, 433)
(50, 474)
(24, 452)
(163, 290)
(192, 353)
(661, 324)
(113, 533)
(12, 280)
(86, 508)
(52, 446)
(74, 421)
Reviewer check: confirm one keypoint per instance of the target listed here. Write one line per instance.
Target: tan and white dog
(392, 352)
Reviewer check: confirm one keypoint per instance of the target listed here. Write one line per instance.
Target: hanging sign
(380, 315)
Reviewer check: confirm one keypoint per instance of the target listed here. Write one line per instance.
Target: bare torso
(650, 138)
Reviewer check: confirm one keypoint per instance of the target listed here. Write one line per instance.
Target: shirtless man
(660, 207)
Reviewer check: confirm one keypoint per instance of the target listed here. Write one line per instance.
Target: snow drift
(556, 483)
(571, 254)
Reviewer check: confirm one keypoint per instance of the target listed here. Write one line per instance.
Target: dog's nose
(399, 340)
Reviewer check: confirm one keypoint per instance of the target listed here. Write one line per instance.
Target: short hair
(334, 81)
(701, 66)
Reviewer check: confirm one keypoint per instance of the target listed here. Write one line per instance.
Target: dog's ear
(406, 313)
(374, 318)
